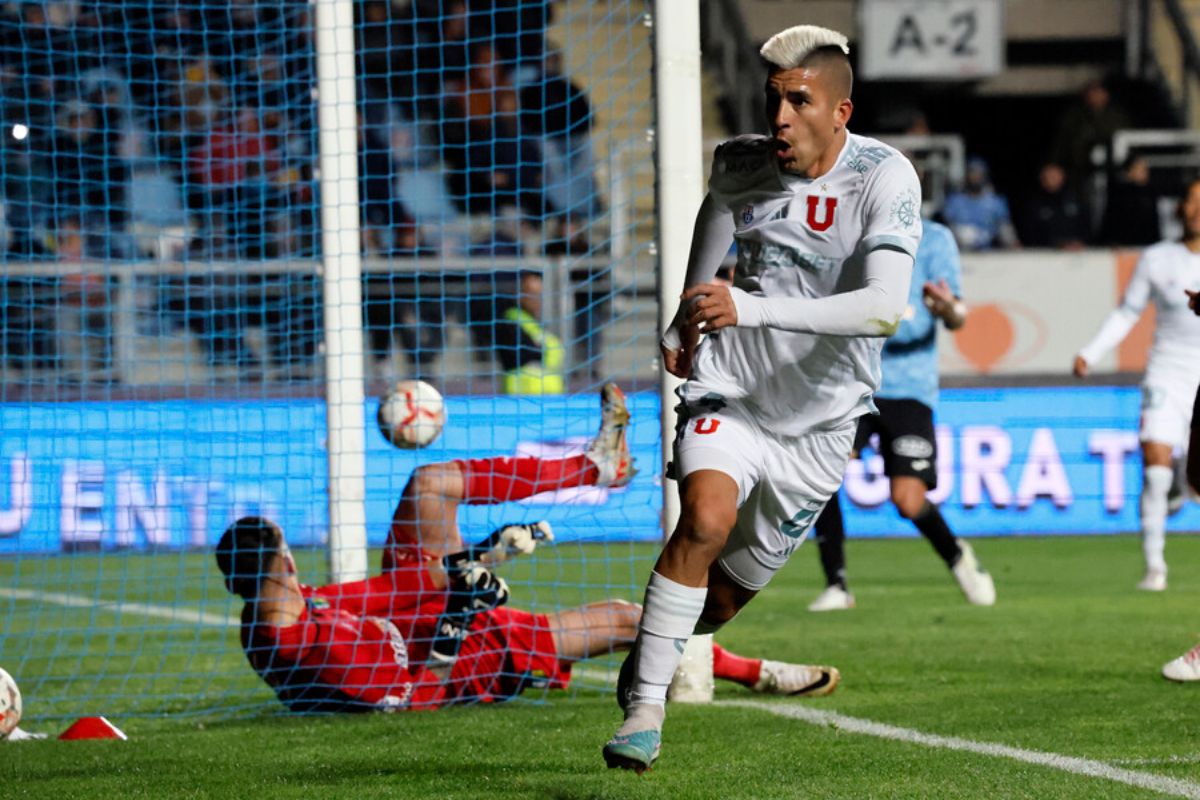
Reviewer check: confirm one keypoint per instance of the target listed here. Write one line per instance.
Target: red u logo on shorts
(823, 225)
(706, 425)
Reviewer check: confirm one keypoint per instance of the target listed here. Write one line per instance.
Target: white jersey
(804, 238)
(1162, 273)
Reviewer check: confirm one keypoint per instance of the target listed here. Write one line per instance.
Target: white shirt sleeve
(1120, 321)
(892, 207)
(711, 238)
(875, 309)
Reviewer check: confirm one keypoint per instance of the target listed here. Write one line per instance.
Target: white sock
(1156, 483)
(669, 615)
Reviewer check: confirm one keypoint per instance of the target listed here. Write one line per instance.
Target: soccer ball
(412, 414)
(10, 704)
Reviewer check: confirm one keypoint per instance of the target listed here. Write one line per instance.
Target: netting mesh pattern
(161, 306)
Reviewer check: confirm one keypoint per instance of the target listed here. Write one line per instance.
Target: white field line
(1072, 764)
(172, 613)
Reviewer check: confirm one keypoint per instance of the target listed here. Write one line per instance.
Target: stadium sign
(172, 475)
(930, 39)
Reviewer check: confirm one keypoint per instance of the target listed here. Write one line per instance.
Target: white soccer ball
(10, 704)
(412, 414)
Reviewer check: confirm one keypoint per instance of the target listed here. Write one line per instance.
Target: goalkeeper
(431, 629)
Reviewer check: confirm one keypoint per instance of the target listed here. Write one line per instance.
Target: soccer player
(1162, 274)
(826, 225)
(1187, 666)
(906, 400)
(425, 634)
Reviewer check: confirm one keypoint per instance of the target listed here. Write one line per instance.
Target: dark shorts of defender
(907, 440)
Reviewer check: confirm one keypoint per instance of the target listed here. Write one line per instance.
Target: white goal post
(680, 165)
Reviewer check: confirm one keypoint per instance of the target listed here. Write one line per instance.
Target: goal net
(175, 219)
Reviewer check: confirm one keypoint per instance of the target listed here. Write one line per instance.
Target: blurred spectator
(1054, 216)
(232, 170)
(591, 282)
(1091, 121)
(1131, 213)
(519, 29)
(494, 163)
(557, 108)
(395, 305)
(90, 175)
(531, 356)
(86, 297)
(978, 216)
(382, 213)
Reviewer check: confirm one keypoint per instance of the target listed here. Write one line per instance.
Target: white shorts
(783, 483)
(1167, 399)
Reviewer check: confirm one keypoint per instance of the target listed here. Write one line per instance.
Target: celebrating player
(430, 630)
(826, 225)
(906, 400)
(1171, 380)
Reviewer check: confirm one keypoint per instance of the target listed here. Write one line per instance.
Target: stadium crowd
(188, 132)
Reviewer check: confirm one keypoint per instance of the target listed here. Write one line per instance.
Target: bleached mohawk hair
(788, 49)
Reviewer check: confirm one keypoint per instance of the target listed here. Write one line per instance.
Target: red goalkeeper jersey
(361, 646)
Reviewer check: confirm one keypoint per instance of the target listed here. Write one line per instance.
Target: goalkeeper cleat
(609, 451)
(1185, 668)
(1155, 580)
(638, 741)
(796, 680)
(834, 598)
(972, 578)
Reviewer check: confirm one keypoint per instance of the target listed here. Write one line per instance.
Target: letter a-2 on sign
(942, 39)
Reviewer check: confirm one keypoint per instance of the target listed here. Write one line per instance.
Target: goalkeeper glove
(503, 544)
(473, 589)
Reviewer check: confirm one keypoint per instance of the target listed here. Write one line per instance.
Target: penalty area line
(1078, 766)
(120, 607)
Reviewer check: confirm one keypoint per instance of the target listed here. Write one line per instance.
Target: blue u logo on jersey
(747, 214)
(798, 524)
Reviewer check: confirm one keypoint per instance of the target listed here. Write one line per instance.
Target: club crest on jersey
(748, 213)
(826, 215)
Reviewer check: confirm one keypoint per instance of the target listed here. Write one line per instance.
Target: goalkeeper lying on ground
(431, 629)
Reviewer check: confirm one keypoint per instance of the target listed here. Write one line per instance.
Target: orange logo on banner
(986, 337)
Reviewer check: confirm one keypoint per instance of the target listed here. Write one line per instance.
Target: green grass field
(1066, 663)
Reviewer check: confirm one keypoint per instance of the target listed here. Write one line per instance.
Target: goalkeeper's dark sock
(499, 480)
(932, 525)
(830, 534)
(728, 666)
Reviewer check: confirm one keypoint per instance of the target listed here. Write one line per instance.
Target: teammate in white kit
(826, 225)
(1162, 275)
(1187, 666)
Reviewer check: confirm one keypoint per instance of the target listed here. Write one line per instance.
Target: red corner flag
(93, 728)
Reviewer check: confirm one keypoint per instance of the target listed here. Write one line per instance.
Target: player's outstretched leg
(1184, 668)
(774, 677)
(609, 451)
(830, 535)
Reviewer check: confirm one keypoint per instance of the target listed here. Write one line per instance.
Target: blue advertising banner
(174, 474)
